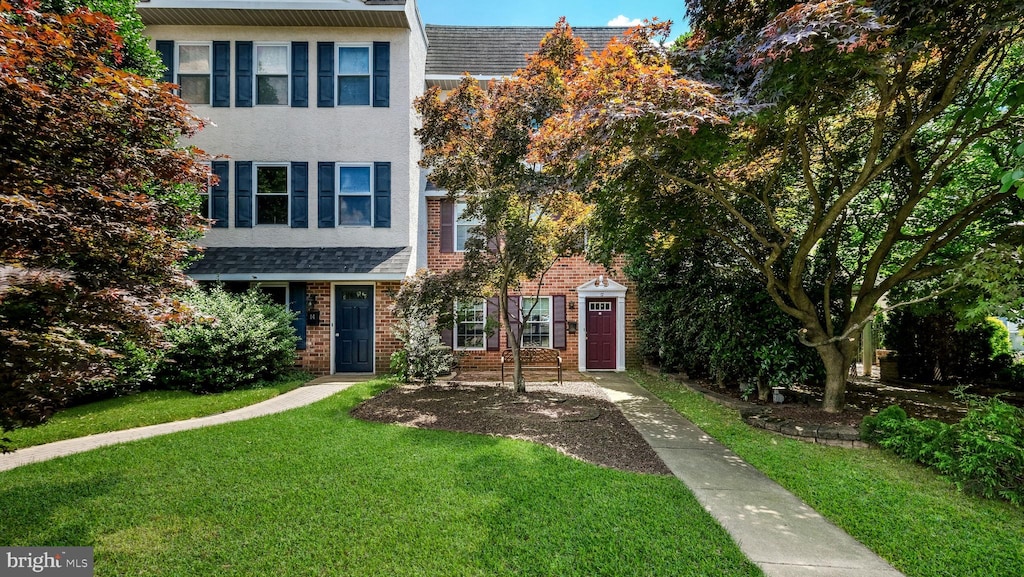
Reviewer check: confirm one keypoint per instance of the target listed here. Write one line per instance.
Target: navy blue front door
(353, 329)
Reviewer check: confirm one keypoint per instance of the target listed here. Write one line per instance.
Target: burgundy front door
(600, 333)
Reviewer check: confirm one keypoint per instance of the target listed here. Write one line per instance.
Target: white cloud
(621, 20)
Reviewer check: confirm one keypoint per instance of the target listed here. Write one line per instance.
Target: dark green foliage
(926, 339)
(713, 321)
(232, 342)
(983, 453)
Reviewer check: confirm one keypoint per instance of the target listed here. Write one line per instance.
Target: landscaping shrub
(421, 304)
(135, 370)
(709, 320)
(983, 453)
(233, 341)
(926, 338)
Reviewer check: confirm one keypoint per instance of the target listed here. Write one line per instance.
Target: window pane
(354, 210)
(471, 312)
(536, 335)
(353, 90)
(204, 205)
(277, 294)
(272, 209)
(354, 180)
(195, 89)
(193, 59)
(536, 310)
(272, 60)
(271, 90)
(353, 60)
(461, 235)
(271, 179)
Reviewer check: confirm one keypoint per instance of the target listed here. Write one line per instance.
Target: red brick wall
(317, 356)
(562, 279)
(384, 338)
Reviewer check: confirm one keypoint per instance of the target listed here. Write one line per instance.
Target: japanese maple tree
(475, 142)
(93, 231)
(840, 148)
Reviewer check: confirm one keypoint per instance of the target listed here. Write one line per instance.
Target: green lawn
(149, 408)
(314, 492)
(905, 513)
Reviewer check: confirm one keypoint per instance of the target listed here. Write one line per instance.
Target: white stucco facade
(312, 134)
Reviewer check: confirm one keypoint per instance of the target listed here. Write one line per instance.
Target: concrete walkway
(774, 528)
(305, 395)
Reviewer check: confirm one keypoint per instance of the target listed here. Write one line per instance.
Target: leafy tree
(93, 230)
(840, 148)
(135, 54)
(475, 142)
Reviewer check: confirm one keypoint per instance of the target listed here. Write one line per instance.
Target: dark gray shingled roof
(315, 260)
(495, 50)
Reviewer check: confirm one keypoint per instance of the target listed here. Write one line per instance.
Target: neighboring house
(312, 133)
(320, 202)
(579, 301)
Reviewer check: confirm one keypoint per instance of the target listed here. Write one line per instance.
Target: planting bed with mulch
(585, 427)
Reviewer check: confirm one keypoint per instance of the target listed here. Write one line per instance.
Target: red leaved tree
(94, 224)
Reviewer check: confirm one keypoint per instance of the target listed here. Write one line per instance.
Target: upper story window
(272, 74)
(194, 67)
(355, 195)
(354, 68)
(536, 322)
(272, 194)
(463, 226)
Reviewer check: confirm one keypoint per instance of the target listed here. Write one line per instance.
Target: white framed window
(470, 323)
(536, 314)
(355, 194)
(354, 66)
(463, 226)
(194, 64)
(272, 194)
(271, 78)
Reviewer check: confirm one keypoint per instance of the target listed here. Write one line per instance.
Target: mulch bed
(589, 429)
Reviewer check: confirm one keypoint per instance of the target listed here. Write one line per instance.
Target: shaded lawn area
(142, 409)
(909, 515)
(314, 491)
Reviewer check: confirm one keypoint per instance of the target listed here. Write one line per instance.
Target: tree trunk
(518, 382)
(837, 369)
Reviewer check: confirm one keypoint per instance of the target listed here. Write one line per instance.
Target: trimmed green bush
(233, 341)
(983, 453)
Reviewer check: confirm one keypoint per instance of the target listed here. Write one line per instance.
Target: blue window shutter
(219, 212)
(558, 322)
(382, 195)
(165, 48)
(297, 304)
(325, 74)
(381, 74)
(300, 74)
(243, 74)
(300, 194)
(325, 196)
(222, 74)
(243, 194)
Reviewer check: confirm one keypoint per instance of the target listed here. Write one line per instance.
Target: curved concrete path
(778, 532)
(304, 395)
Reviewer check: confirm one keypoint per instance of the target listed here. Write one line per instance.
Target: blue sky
(547, 12)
